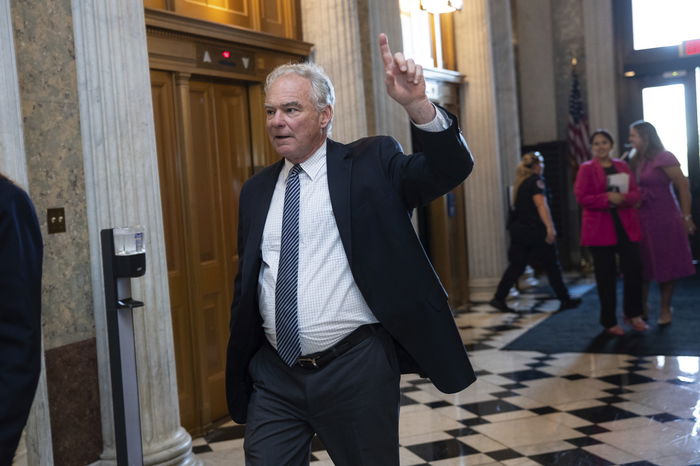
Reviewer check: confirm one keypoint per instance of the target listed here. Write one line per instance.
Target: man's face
(296, 129)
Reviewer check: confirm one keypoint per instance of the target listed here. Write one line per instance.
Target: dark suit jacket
(21, 252)
(373, 188)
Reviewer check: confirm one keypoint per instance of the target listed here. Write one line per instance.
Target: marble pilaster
(38, 445)
(35, 447)
(538, 109)
(122, 188)
(600, 65)
(12, 156)
(485, 188)
(506, 87)
(341, 58)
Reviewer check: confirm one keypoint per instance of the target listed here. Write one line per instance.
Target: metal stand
(122, 355)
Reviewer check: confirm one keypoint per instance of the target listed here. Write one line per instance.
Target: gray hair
(322, 92)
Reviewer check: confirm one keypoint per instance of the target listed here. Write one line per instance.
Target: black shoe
(569, 303)
(501, 305)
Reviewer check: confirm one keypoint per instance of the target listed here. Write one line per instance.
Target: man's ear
(326, 116)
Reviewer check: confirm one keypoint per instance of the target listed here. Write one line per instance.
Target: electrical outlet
(56, 220)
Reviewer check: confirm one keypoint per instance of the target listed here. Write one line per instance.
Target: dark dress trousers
(373, 188)
(21, 252)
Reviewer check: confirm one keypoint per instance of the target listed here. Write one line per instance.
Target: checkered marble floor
(529, 408)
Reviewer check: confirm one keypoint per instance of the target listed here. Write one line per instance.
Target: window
(417, 33)
(664, 23)
(664, 107)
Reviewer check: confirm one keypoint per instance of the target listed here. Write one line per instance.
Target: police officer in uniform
(532, 235)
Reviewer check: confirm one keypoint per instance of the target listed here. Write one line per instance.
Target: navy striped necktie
(286, 323)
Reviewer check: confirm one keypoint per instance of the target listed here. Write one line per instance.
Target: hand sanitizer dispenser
(123, 258)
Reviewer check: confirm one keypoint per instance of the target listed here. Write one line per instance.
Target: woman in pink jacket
(608, 192)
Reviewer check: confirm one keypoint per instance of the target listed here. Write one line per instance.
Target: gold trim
(193, 27)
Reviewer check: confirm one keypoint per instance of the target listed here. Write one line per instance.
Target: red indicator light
(691, 47)
(226, 54)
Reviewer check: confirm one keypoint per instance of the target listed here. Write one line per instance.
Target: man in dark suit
(21, 252)
(334, 296)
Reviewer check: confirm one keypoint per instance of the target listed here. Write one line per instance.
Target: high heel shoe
(664, 320)
(637, 324)
(615, 330)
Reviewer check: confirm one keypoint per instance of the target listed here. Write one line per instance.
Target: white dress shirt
(329, 303)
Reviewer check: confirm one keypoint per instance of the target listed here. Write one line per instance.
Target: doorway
(203, 137)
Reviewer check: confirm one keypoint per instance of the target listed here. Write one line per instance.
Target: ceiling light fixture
(441, 6)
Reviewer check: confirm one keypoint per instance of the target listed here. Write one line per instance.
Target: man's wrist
(421, 111)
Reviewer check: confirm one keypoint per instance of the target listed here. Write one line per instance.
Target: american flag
(578, 123)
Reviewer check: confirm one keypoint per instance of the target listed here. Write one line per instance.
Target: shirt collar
(310, 166)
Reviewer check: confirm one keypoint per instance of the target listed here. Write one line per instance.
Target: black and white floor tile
(529, 408)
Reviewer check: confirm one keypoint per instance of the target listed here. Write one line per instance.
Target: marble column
(334, 27)
(12, 155)
(600, 65)
(122, 188)
(389, 117)
(35, 447)
(506, 87)
(485, 189)
(352, 60)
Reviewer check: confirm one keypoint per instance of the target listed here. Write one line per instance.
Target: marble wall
(47, 79)
(73, 392)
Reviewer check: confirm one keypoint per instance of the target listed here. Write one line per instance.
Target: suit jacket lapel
(263, 198)
(339, 169)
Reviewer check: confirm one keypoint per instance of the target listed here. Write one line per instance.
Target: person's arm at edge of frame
(20, 322)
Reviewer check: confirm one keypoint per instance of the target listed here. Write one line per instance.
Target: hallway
(529, 408)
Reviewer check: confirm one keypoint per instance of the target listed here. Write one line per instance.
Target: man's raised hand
(405, 83)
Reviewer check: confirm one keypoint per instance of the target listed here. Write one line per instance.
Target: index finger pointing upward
(384, 49)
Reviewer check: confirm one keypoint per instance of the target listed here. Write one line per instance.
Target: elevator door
(204, 151)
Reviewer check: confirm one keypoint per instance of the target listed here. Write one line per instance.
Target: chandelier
(441, 6)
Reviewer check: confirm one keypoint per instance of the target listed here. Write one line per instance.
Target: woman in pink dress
(665, 224)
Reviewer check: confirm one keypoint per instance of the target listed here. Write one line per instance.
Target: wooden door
(204, 149)
(170, 174)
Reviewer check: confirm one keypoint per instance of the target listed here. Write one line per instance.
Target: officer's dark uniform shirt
(525, 210)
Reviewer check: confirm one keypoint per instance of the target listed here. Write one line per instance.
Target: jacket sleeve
(21, 252)
(443, 164)
(587, 194)
(241, 239)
